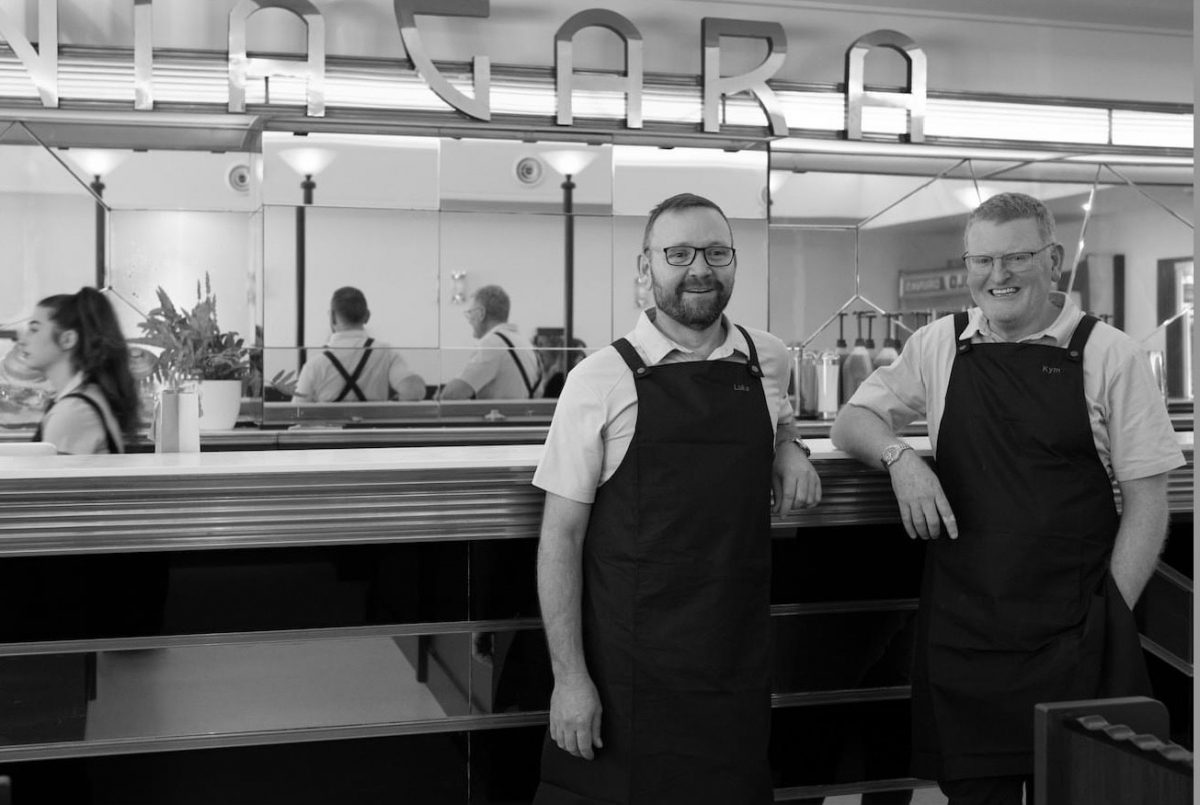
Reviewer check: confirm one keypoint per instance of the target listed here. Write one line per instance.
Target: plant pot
(220, 401)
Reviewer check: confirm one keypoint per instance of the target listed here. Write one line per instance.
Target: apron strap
(1080, 337)
(529, 387)
(960, 323)
(351, 378)
(752, 364)
(632, 359)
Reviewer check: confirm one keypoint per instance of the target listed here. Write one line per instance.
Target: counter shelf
(460, 525)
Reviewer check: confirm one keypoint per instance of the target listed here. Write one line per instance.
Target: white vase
(220, 401)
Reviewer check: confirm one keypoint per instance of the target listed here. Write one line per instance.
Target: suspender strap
(1080, 337)
(529, 387)
(109, 440)
(351, 378)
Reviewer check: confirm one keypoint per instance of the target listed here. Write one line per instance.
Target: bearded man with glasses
(655, 553)
(1033, 409)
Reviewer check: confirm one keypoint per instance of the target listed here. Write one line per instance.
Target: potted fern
(194, 350)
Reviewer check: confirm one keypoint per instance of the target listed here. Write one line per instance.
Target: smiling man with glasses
(655, 553)
(1033, 410)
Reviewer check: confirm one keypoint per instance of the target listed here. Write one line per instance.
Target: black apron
(1021, 608)
(350, 379)
(676, 578)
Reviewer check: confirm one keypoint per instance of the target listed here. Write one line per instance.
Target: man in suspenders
(1034, 409)
(355, 367)
(655, 552)
(505, 366)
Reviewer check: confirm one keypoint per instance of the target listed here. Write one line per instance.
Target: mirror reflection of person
(75, 340)
(505, 365)
(556, 362)
(654, 561)
(1034, 409)
(355, 367)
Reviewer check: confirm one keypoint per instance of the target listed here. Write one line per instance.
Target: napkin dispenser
(176, 422)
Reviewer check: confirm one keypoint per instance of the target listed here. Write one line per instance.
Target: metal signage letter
(242, 67)
(715, 87)
(406, 13)
(564, 64)
(43, 66)
(912, 99)
(143, 54)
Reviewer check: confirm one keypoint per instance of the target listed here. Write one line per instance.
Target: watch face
(891, 453)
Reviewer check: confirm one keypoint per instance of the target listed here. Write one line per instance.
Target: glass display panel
(431, 769)
(222, 690)
(74, 597)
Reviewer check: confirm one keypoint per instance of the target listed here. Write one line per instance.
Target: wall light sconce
(458, 290)
(306, 162)
(97, 163)
(568, 164)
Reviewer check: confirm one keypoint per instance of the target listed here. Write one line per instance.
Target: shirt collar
(505, 326)
(71, 385)
(657, 346)
(343, 336)
(1059, 331)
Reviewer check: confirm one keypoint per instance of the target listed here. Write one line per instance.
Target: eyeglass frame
(696, 250)
(1006, 260)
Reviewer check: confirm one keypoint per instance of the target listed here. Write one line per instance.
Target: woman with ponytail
(76, 342)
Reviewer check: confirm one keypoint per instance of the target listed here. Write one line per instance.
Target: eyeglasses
(715, 256)
(472, 311)
(1013, 261)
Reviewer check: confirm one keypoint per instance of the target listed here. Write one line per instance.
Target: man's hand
(794, 481)
(575, 716)
(923, 504)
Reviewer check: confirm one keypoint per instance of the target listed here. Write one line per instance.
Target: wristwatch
(803, 447)
(891, 454)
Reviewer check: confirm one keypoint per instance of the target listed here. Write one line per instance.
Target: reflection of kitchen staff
(1033, 409)
(355, 367)
(655, 556)
(76, 342)
(505, 366)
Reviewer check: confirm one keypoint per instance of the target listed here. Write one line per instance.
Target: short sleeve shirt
(321, 382)
(493, 374)
(1131, 429)
(74, 427)
(596, 415)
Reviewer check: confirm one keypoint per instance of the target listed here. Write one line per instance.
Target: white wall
(49, 248)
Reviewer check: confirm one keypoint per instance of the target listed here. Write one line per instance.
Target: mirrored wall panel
(864, 249)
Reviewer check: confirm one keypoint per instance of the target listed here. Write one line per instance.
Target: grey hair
(1005, 207)
(494, 301)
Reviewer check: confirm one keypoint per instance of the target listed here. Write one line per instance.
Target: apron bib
(676, 598)
(1021, 608)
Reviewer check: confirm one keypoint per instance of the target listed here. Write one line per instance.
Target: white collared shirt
(596, 415)
(320, 382)
(73, 427)
(1130, 426)
(493, 374)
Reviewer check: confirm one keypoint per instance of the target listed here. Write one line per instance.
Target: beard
(696, 313)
